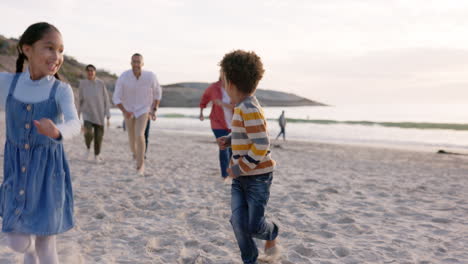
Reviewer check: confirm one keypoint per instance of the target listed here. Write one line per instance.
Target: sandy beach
(334, 204)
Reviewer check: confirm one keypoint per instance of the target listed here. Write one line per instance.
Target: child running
(251, 166)
(36, 198)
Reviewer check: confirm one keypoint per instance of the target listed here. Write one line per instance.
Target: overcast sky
(334, 51)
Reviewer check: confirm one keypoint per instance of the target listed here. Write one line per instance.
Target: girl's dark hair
(32, 34)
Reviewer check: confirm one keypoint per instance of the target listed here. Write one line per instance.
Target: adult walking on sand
(93, 106)
(282, 124)
(137, 94)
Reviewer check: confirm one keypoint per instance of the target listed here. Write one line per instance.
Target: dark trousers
(224, 155)
(283, 131)
(249, 198)
(93, 132)
(147, 134)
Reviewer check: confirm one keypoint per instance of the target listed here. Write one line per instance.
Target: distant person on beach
(220, 118)
(36, 195)
(94, 107)
(137, 94)
(251, 166)
(282, 124)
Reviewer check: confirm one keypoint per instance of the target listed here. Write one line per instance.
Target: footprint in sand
(312, 204)
(296, 186)
(213, 250)
(126, 180)
(285, 262)
(193, 258)
(441, 250)
(440, 232)
(205, 224)
(441, 220)
(311, 180)
(341, 251)
(323, 225)
(345, 220)
(100, 216)
(153, 247)
(304, 251)
(322, 197)
(154, 205)
(201, 260)
(330, 190)
(192, 243)
(295, 257)
(353, 230)
(325, 234)
(382, 194)
(451, 261)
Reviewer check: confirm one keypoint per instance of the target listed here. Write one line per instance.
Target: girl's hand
(218, 102)
(47, 128)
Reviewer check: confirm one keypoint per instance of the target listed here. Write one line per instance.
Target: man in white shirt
(137, 94)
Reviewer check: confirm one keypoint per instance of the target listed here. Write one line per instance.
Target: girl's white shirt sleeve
(71, 125)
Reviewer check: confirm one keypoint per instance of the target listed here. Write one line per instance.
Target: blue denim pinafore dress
(36, 195)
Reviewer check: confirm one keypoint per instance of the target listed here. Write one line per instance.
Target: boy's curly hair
(243, 69)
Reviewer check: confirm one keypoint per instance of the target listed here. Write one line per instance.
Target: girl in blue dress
(36, 198)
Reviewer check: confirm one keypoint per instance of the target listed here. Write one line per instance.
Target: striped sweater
(249, 140)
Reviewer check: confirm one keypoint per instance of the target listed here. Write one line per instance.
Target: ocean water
(425, 127)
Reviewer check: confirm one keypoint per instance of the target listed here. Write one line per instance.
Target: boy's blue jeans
(224, 155)
(249, 198)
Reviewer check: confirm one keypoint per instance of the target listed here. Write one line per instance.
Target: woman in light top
(36, 198)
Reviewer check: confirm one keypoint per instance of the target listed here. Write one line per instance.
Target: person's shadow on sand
(441, 151)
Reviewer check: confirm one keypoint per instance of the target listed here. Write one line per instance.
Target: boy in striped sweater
(251, 166)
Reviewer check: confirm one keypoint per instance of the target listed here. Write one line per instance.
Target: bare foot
(141, 170)
(227, 180)
(272, 252)
(269, 244)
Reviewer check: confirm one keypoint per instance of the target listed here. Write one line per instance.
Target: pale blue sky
(333, 51)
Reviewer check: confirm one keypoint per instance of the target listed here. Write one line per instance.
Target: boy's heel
(272, 255)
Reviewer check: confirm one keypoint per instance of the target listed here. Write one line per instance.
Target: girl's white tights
(36, 249)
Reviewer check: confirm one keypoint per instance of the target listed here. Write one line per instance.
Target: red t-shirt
(212, 93)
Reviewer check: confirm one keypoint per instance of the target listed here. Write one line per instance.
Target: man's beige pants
(136, 137)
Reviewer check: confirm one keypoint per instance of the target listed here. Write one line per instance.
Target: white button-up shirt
(137, 95)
